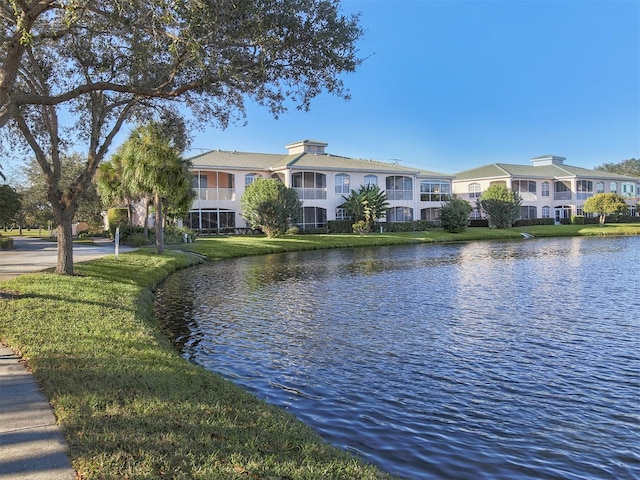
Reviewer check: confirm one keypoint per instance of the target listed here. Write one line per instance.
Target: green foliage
(175, 235)
(10, 204)
(454, 214)
(269, 205)
(604, 204)
(151, 167)
(577, 219)
(340, 226)
(413, 226)
(361, 227)
(501, 205)
(629, 167)
(532, 221)
(367, 204)
(117, 217)
(6, 243)
(135, 59)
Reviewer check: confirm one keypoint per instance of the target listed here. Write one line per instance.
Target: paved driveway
(33, 254)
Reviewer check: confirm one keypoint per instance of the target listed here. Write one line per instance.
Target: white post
(117, 240)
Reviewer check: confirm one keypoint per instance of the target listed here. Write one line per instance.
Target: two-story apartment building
(548, 187)
(322, 180)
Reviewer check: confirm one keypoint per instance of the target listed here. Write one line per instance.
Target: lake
(495, 360)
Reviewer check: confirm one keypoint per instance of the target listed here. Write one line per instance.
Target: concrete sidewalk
(31, 444)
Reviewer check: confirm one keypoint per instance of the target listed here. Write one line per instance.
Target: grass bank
(130, 407)
(128, 404)
(216, 248)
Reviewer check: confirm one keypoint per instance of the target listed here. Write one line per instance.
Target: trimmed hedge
(479, 222)
(534, 221)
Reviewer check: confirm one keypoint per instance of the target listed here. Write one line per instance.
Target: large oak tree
(74, 71)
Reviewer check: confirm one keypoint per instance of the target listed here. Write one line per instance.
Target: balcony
(215, 194)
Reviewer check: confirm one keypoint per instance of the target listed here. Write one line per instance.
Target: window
(313, 217)
(561, 191)
(370, 180)
(546, 212)
(628, 190)
(613, 188)
(199, 181)
(400, 214)
(474, 190)
(434, 191)
(528, 212)
(310, 185)
(249, 178)
(399, 188)
(341, 214)
(544, 189)
(430, 214)
(600, 187)
(212, 219)
(342, 184)
(584, 189)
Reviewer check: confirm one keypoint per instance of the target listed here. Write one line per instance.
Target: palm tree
(152, 166)
(366, 205)
(111, 188)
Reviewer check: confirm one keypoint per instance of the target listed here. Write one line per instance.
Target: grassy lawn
(33, 233)
(131, 407)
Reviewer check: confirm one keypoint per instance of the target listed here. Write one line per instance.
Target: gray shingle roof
(273, 162)
(507, 170)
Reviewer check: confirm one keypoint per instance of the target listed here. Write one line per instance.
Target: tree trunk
(65, 248)
(159, 225)
(147, 201)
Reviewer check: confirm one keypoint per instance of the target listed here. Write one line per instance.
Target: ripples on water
(487, 360)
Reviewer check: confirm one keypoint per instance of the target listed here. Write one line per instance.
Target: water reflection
(482, 360)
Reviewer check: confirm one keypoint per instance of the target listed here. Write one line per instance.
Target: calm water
(507, 360)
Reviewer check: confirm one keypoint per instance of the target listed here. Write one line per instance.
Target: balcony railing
(581, 196)
(562, 196)
(528, 196)
(399, 194)
(312, 193)
(215, 193)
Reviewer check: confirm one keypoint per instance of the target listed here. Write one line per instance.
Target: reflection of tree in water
(177, 314)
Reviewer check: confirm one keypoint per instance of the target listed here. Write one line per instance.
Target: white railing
(312, 193)
(562, 196)
(528, 196)
(215, 193)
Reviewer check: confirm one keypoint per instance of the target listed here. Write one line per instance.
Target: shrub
(175, 235)
(6, 243)
(479, 222)
(577, 219)
(136, 239)
(293, 231)
(340, 226)
(361, 227)
(534, 221)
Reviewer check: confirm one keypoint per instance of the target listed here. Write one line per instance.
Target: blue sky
(450, 85)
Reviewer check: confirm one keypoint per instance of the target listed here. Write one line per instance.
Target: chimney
(306, 146)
